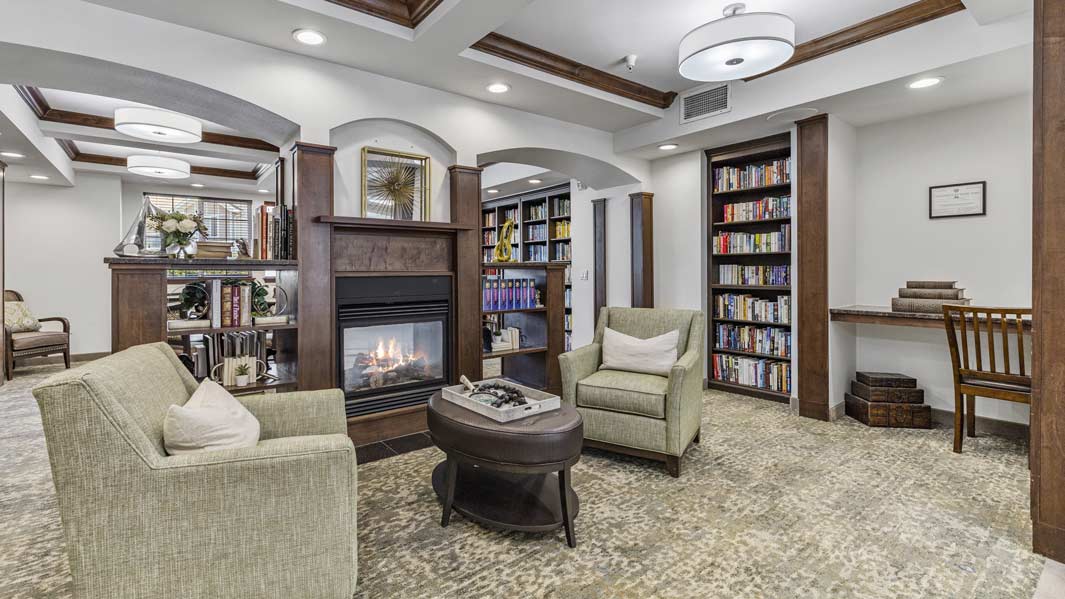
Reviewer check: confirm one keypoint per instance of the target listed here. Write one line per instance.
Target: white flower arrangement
(177, 227)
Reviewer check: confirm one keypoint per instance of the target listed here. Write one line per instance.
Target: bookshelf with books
(750, 268)
(521, 306)
(542, 233)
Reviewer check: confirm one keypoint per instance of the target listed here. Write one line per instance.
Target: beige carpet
(769, 505)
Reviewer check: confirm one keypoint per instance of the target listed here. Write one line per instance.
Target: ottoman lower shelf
(523, 502)
(895, 415)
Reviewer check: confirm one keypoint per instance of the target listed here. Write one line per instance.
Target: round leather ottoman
(513, 476)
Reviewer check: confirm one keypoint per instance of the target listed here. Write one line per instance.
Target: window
(226, 220)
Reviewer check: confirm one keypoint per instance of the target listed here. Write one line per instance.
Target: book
(245, 307)
(924, 306)
(930, 284)
(954, 293)
(227, 306)
(216, 303)
(177, 325)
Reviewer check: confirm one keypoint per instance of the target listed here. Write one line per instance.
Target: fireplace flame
(392, 356)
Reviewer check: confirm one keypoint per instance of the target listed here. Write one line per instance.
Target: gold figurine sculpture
(503, 248)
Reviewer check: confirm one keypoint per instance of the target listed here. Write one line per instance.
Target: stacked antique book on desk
(887, 399)
(928, 296)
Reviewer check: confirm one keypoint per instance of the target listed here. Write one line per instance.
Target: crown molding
(560, 66)
(897, 20)
(408, 13)
(39, 105)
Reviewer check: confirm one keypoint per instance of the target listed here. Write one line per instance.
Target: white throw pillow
(212, 419)
(656, 355)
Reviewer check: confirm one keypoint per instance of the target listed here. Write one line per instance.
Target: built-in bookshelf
(542, 233)
(750, 268)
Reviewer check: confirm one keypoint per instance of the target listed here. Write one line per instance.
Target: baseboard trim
(991, 426)
(837, 411)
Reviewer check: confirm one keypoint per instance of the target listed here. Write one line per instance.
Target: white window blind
(226, 220)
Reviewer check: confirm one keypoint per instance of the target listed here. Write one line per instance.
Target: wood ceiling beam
(206, 171)
(408, 13)
(39, 105)
(560, 66)
(897, 20)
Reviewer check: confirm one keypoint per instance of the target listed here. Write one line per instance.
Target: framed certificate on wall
(963, 199)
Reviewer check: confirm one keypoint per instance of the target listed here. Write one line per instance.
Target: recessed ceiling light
(498, 88)
(535, 181)
(264, 191)
(158, 125)
(309, 37)
(667, 147)
(12, 155)
(493, 191)
(196, 184)
(39, 177)
(159, 167)
(738, 46)
(926, 82)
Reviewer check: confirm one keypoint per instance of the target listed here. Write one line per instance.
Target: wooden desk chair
(971, 378)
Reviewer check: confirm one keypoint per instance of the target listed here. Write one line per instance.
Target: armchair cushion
(624, 392)
(38, 339)
(655, 355)
(212, 419)
(19, 319)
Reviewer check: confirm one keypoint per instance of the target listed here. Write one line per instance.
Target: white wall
(351, 138)
(989, 255)
(55, 240)
(842, 344)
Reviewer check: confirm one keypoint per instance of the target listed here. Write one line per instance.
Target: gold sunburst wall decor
(395, 185)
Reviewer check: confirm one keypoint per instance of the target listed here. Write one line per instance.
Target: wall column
(312, 197)
(643, 259)
(1047, 446)
(811, 299)
(466, 210)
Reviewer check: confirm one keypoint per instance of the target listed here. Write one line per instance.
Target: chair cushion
(648, 322)
(999, 385)
(625, 392)
(19, 319)
(36, 339)
(210, 420)
(633, 354)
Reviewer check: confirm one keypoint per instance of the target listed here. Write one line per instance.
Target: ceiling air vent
(704, 102)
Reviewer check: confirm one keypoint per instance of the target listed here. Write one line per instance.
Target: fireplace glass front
(384, 356)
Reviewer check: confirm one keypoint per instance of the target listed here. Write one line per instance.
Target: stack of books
(928, 296)
(507, 294)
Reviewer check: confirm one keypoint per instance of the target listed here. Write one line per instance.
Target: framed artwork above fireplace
(395, 185)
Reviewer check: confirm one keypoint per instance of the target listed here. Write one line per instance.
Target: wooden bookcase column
(643, 251)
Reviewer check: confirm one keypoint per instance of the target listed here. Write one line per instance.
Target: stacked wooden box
(887, 399)
(928, 296)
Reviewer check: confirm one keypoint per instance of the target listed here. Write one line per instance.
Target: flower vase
(179, 251)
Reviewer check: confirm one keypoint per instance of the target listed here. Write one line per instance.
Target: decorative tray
(539, 402)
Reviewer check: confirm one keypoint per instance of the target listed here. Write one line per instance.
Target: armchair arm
(283, 450)
(299, 413)
(576, 365)
(64, 321)
(684, 401)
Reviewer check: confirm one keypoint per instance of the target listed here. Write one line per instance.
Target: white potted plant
(242, 373)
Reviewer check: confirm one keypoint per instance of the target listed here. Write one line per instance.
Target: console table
(864, 314)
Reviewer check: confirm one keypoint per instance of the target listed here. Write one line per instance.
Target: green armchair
(644, 415)
(274, 520)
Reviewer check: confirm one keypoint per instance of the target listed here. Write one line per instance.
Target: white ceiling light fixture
(158, 125)
(196, 184)
(39, 177)
(159, 167)
(309, 37)
(925, 82)
(739, 46)
(12, 155)
(668, 147)
(535, 181)
(264, 191)
(792, 114)
(498, 88)
(493, 191)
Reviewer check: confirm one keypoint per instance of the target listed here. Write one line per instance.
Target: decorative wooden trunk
(887, 394)
(885, 379)
(893, 415)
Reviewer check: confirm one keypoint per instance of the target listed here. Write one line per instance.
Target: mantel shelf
(202, 263)
(356, 222)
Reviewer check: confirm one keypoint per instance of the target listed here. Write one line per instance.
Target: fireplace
(393, 340)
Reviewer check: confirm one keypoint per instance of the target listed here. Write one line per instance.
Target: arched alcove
(40, 67)
(592, 172)
(390, 134)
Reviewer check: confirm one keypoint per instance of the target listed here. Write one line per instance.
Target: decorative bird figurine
(503, 248)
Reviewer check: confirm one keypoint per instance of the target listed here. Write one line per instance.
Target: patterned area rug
(769, 505)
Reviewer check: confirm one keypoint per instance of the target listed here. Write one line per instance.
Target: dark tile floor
(392, 447)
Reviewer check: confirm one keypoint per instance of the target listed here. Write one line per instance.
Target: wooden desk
(883, 315)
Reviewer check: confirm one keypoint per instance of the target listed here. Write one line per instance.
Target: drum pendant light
(738, 46)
